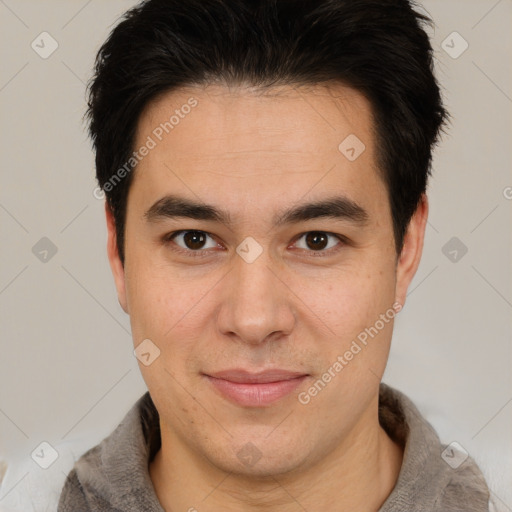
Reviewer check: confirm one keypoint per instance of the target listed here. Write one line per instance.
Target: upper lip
(244, 376)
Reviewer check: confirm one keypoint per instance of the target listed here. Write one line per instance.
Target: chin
(251, 461)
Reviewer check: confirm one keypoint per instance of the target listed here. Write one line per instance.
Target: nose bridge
(255, 304)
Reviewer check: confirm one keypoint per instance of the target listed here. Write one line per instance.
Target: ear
(114, 259)
(412, 249)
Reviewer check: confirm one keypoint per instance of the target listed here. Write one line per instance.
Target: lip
(255, 389)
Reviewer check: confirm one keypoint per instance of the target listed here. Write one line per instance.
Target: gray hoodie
(113, 476)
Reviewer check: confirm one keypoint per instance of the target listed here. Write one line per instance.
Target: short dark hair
(378, 47)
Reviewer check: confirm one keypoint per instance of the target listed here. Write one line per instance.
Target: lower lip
(255, 395)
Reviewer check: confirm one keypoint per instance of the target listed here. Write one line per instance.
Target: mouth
(260, 389)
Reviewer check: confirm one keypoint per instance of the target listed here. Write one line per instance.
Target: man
(265, 167)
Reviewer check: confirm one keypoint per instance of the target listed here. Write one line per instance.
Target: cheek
(152, 298)
(354, 297)
(349, 312)
(359, 315)
(169, 307)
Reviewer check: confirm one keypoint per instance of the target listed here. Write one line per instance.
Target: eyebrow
(339, 207)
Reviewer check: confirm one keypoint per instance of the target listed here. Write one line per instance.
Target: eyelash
(201, 253)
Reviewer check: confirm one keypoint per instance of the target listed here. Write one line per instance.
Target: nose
(256, 304)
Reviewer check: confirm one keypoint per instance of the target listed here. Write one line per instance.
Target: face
(258, 305)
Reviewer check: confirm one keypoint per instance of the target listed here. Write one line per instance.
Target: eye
(191, 241)
(317, 242)
(194, 242)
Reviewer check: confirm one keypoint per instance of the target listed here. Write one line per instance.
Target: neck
(357, 475)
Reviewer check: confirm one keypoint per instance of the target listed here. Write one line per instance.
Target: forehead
(248, 117)
(258, 145)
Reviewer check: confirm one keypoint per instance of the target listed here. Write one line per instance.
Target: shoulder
(464, 489)
(434, 477)
(70, 501)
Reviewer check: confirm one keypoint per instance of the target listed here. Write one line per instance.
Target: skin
(255, 154)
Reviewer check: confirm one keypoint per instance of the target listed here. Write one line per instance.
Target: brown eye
(192, 241)
(316, 240)
(319, 242)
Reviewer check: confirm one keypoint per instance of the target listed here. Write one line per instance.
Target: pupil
(194, 239)
(315, 238)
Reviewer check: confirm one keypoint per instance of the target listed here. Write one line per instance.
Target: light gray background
(67, 371)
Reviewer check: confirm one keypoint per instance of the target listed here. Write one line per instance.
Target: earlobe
(412, 249)
(115, 261)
